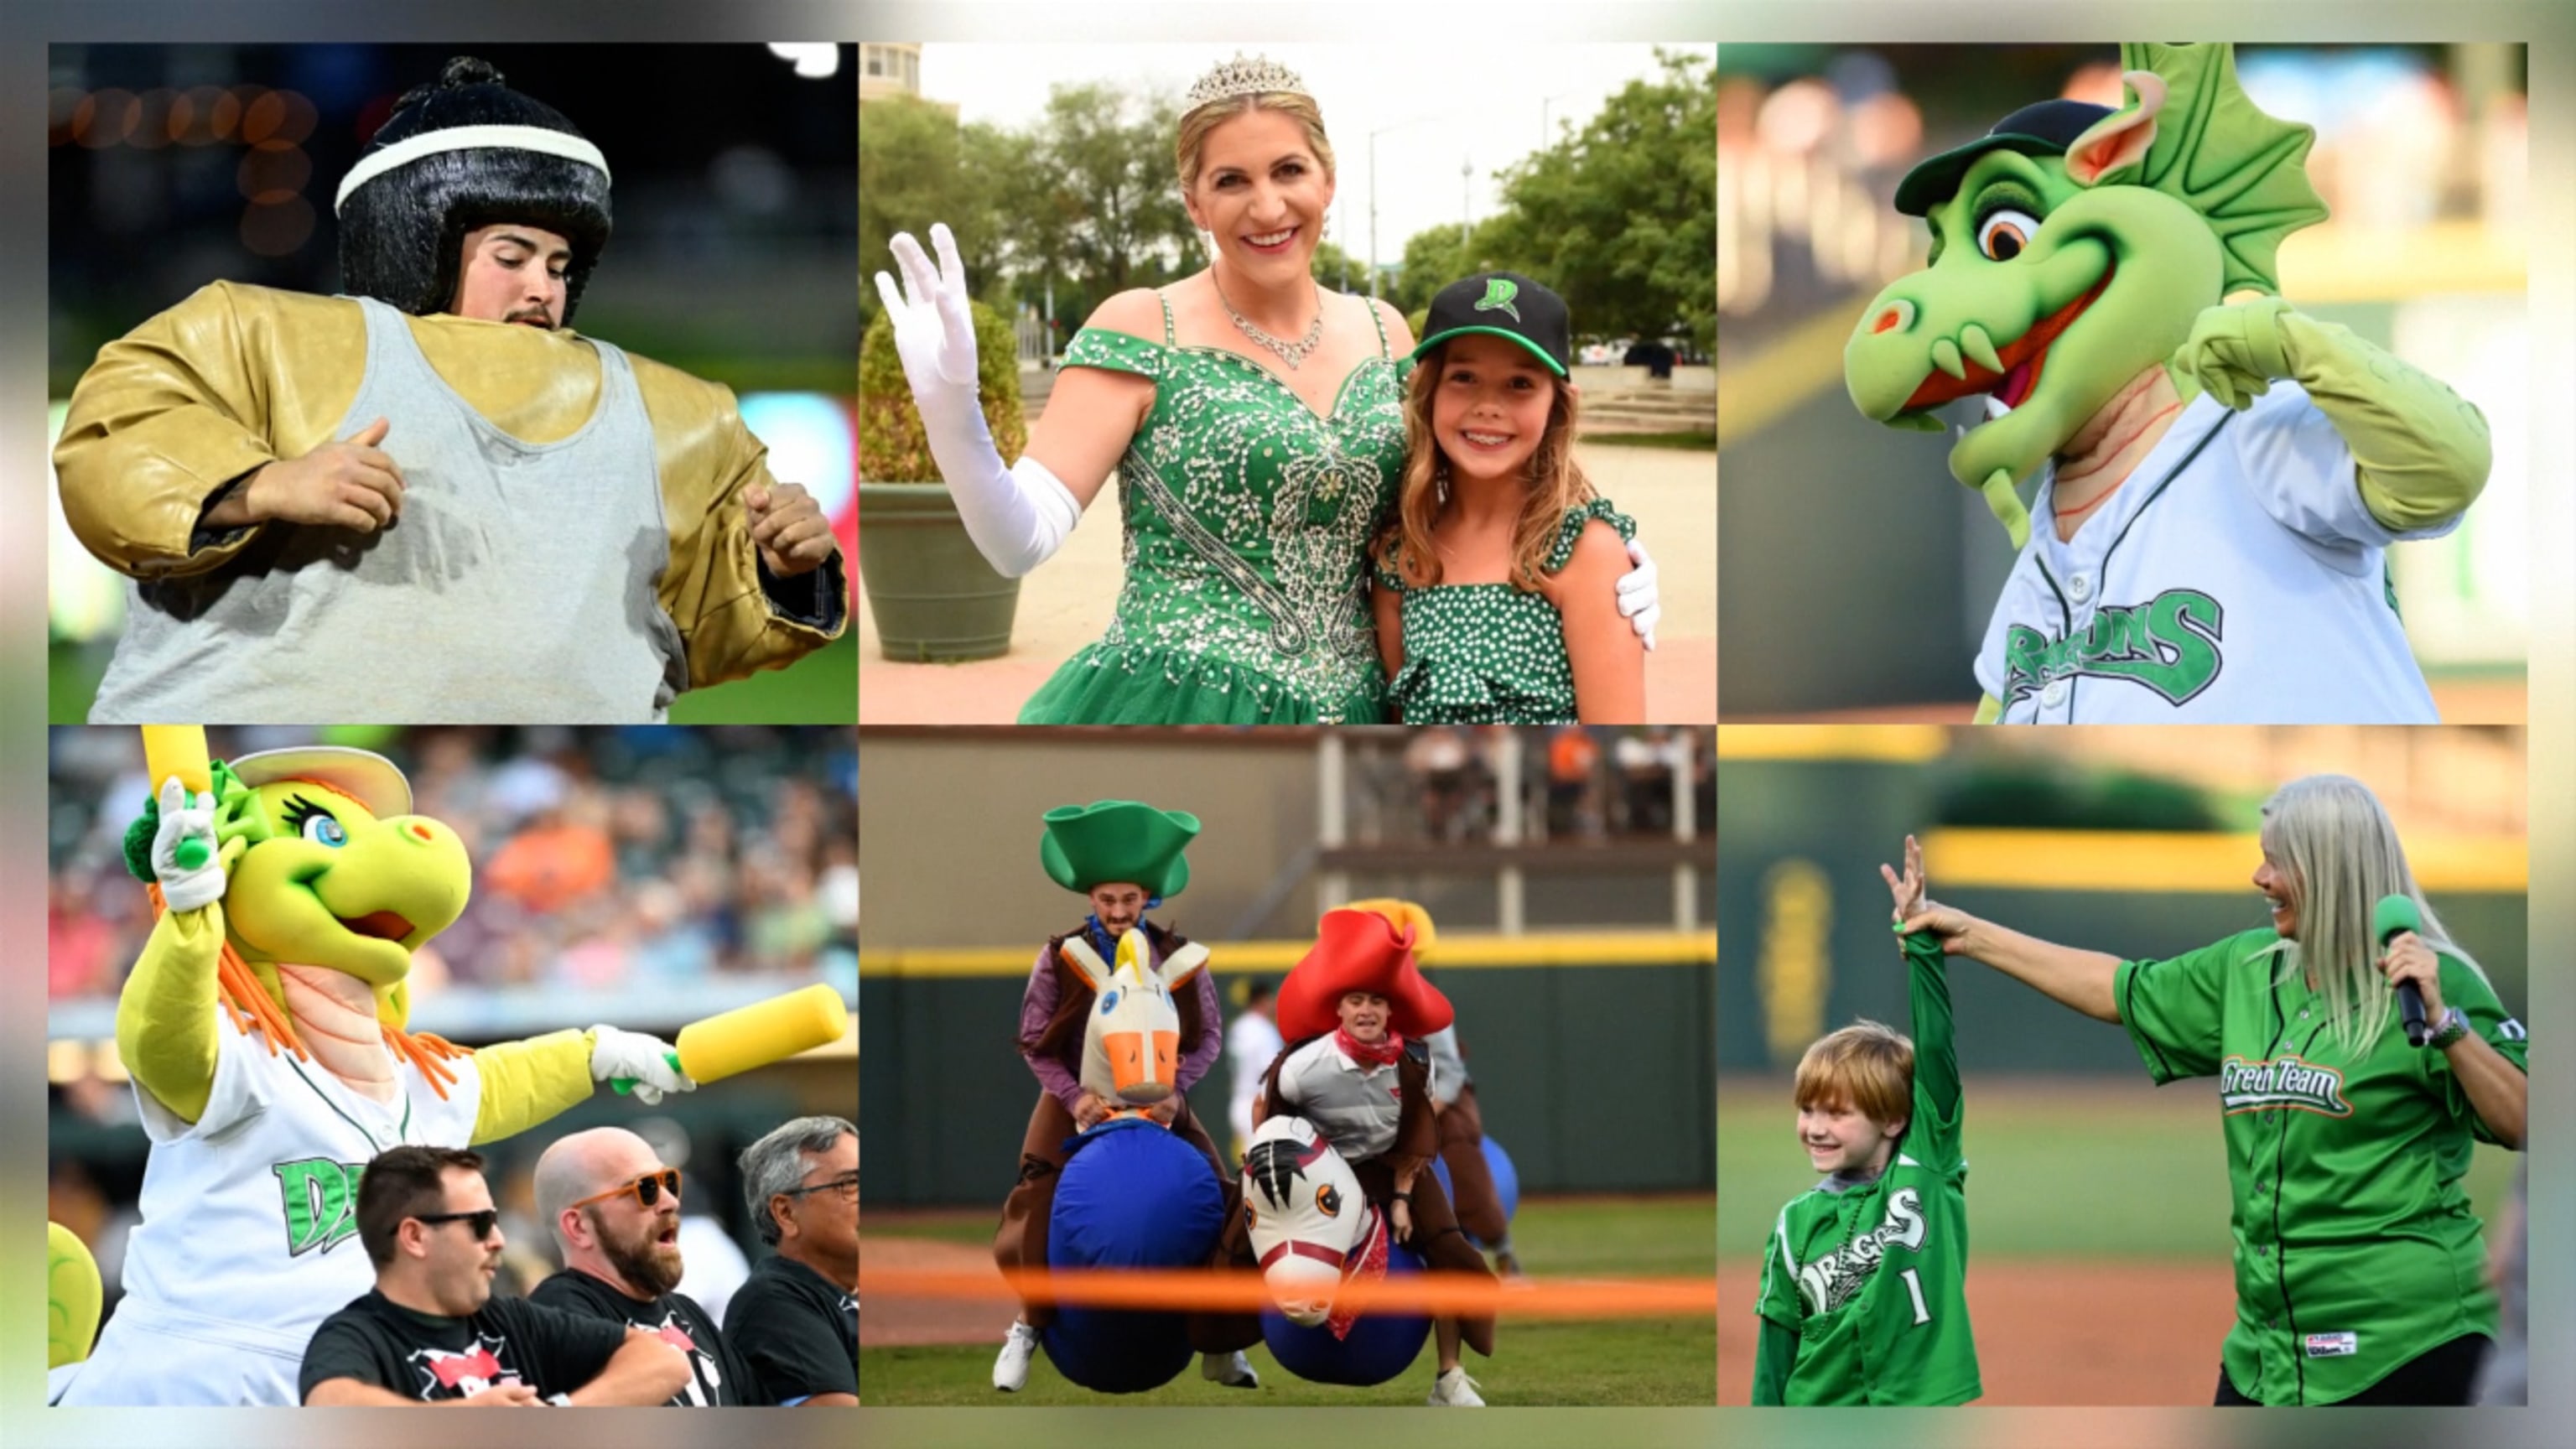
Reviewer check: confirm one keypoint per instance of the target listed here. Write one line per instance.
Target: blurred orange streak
(1205, 1290)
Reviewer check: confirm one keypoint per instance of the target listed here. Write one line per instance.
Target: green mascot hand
(2235, 351)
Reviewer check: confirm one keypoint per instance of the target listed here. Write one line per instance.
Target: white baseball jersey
(2235, 578)
(249, 1236)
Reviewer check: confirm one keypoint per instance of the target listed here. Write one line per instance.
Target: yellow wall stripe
(1458, 952)
(1806, 360)
(1893, 744)
(2118, 860)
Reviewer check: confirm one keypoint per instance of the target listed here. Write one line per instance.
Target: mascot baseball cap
(2045, 129)
(1502, 304)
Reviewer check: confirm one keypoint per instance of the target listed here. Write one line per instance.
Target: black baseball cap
(2045, 129)
(1502, 304)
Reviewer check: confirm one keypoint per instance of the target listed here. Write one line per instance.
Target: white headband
(466, 138)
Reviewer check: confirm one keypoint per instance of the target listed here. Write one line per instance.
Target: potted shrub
(933, 596)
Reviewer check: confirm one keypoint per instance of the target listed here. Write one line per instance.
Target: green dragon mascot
(264, 1025)
(2219, 477)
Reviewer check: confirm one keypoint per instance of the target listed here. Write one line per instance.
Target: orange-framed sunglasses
(648, 1189)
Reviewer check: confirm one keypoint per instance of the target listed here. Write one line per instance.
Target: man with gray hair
(614, 1209)
(795, 1320)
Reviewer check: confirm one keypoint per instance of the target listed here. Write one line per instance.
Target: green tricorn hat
(1118, 840)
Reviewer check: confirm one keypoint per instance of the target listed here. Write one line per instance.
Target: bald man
(615, 1212)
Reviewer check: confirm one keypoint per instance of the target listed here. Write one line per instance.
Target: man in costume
(1125, 858)
(1355, 1010)
(431, 494)
(264, 1024)
(2219, 479)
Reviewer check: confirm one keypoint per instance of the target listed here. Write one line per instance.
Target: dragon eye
(2003, 234)
(1329, 1199)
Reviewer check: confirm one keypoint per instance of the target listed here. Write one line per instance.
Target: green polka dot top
(1247, 521)
(1489, 653)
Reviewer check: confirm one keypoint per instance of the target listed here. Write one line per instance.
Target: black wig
(402, 231)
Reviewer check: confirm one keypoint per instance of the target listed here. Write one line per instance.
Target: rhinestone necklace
(1291, 353)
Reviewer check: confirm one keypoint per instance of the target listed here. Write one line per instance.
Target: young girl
(1489, 602)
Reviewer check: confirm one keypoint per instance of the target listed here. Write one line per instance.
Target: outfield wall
(1591, 1053)
(1803, 913)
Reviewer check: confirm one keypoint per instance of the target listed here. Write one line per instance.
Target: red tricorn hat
(1359, 951)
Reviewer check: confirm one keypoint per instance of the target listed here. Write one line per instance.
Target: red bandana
(1381, 1055)
(1367, 1265)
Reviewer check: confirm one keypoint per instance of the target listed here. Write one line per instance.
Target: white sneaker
(1454, 1390)
(1011, 1370)
(1232, 1370)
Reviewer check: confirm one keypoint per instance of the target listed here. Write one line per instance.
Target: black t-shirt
(721, 1382)
(798, 1331)
(418, 1355)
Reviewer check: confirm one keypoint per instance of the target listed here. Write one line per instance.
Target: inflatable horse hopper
(1132, 1195)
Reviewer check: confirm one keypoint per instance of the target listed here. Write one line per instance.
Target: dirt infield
(896, 1321)
(2074, 1331)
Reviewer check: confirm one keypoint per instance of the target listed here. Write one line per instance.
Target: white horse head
(1131, 1043)
(1310, 1220)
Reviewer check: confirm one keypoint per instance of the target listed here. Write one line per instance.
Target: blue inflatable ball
(1132, 1196)
(1380, 1345)
(1507, 1182)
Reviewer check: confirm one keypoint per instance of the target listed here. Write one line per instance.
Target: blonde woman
(1255, 423)
(2359, 1276)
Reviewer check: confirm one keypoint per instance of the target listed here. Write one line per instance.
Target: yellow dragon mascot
(264, 1026)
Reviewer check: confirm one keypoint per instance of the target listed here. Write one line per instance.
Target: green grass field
(2056, 1168)
(1658, 1361)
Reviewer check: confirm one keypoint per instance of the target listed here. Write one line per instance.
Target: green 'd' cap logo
(1499, 292)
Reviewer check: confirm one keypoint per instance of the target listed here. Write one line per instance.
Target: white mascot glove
(1639, 601)
(1017, 516)
(187, 833)
(648, 1063)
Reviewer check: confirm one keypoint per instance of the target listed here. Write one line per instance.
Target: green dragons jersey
(1873, 1276)
(2355, 1247)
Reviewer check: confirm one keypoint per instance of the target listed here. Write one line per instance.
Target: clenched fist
(352, 484)
(789, 529)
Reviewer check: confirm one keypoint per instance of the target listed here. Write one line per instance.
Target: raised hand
(934, 329)
(789, 529)
(1914, 909)
(2235, 352)
(184, 859)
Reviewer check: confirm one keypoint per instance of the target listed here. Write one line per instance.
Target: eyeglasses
(481, 1221)
(648, 1189)
(847, 1186)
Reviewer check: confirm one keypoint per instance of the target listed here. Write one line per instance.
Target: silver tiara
(1240, 77)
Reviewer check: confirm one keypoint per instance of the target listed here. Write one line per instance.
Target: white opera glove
(1017, 516)
(184, 858)
(1639, 601)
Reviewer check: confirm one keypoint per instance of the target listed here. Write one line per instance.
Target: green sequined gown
(1489, 653)
(1247, 521)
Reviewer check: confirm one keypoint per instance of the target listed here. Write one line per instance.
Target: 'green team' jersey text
(1873, 1278)
(2355, 1247)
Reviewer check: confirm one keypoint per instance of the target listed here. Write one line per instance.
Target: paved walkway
(1067, 603)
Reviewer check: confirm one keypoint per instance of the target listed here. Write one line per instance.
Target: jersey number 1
(1914, 1290)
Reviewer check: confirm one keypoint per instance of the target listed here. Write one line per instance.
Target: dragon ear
(2218, 153)
(2116, 146)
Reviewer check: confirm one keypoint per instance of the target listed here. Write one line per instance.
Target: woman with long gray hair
(2358, 1269)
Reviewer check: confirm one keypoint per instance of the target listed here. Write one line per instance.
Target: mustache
(535, 314)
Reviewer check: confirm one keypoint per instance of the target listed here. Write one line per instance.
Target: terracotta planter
(935, 599)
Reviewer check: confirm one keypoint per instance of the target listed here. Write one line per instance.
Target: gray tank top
(519, 584)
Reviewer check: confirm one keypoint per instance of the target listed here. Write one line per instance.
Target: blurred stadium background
(641, 877)
(2098, 1205)
(1569, 871)
(171, 166)
(1836, 527)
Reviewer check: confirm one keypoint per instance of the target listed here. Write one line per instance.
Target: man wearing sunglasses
(615, 1212)
(795, 1320)
(431, 1334)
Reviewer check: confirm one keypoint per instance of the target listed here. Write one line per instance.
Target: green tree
(1433, 258)
(1621, 217)
(1106, 197)
(918, 166)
